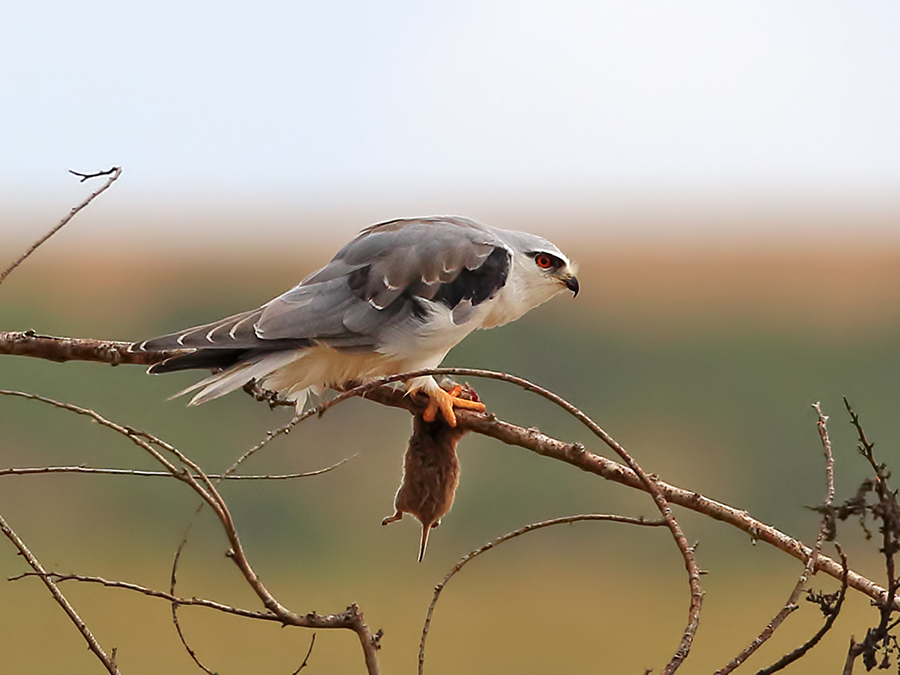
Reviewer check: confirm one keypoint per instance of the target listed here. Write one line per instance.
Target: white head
(539, 271)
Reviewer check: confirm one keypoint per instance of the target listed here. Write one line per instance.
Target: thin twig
(351, 618)
(87, 176)
(138, 438)
(852, 654)
(270, 436)
(512, 535)
(229, 472)
(113, 173)
(108, 661)
(38, 470)
(110, 583)
(173, 575)
(791, 605)
(312, 643)
(649, 485)
(800, 651)
(173, 582)
(576, 455)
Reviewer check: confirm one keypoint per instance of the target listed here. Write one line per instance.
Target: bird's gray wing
(380, 280)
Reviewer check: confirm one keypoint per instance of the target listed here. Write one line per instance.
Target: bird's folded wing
(375, 283)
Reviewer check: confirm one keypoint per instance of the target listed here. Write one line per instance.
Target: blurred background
(726, 175)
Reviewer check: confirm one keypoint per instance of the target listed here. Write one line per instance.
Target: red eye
(544, 261)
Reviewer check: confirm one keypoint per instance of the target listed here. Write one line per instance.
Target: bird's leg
(446, 401)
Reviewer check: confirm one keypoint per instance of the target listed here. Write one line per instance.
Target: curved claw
(446, 401)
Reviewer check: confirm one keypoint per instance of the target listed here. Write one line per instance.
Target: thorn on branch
(576, 449)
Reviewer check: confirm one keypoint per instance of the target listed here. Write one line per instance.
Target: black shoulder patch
(358, 279)
(479, 284)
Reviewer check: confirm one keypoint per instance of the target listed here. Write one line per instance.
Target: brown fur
(430, 475)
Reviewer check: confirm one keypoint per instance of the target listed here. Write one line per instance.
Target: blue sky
(421, 102)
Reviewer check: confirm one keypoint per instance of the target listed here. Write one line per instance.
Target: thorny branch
(885, 510)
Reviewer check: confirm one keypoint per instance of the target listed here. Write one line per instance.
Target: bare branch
(648, 484)
(173, 581)
(61, 349)
(87, 176)
(852, 653)
(351, 618)
(108, 661)
(38, 470)
(113, 173)
(512, 535)
(193, 602)
(576, 455)
(270, 436)
(312, 643)
(832, 615)
(886, 510)
(109, 583)
(791, 605)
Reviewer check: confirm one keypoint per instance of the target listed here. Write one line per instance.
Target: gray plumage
(396, 298)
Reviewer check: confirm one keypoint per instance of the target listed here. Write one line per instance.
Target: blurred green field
(703, 362)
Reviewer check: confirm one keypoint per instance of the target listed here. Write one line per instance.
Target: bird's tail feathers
(230, 379)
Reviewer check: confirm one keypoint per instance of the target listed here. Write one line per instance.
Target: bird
(395, 299)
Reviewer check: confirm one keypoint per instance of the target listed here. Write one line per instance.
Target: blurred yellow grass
(662, 288)
(837, 289)
(590, 600)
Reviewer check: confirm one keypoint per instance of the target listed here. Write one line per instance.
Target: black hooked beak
(571, 283)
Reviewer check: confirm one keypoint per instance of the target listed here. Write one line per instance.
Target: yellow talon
(445, 401)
